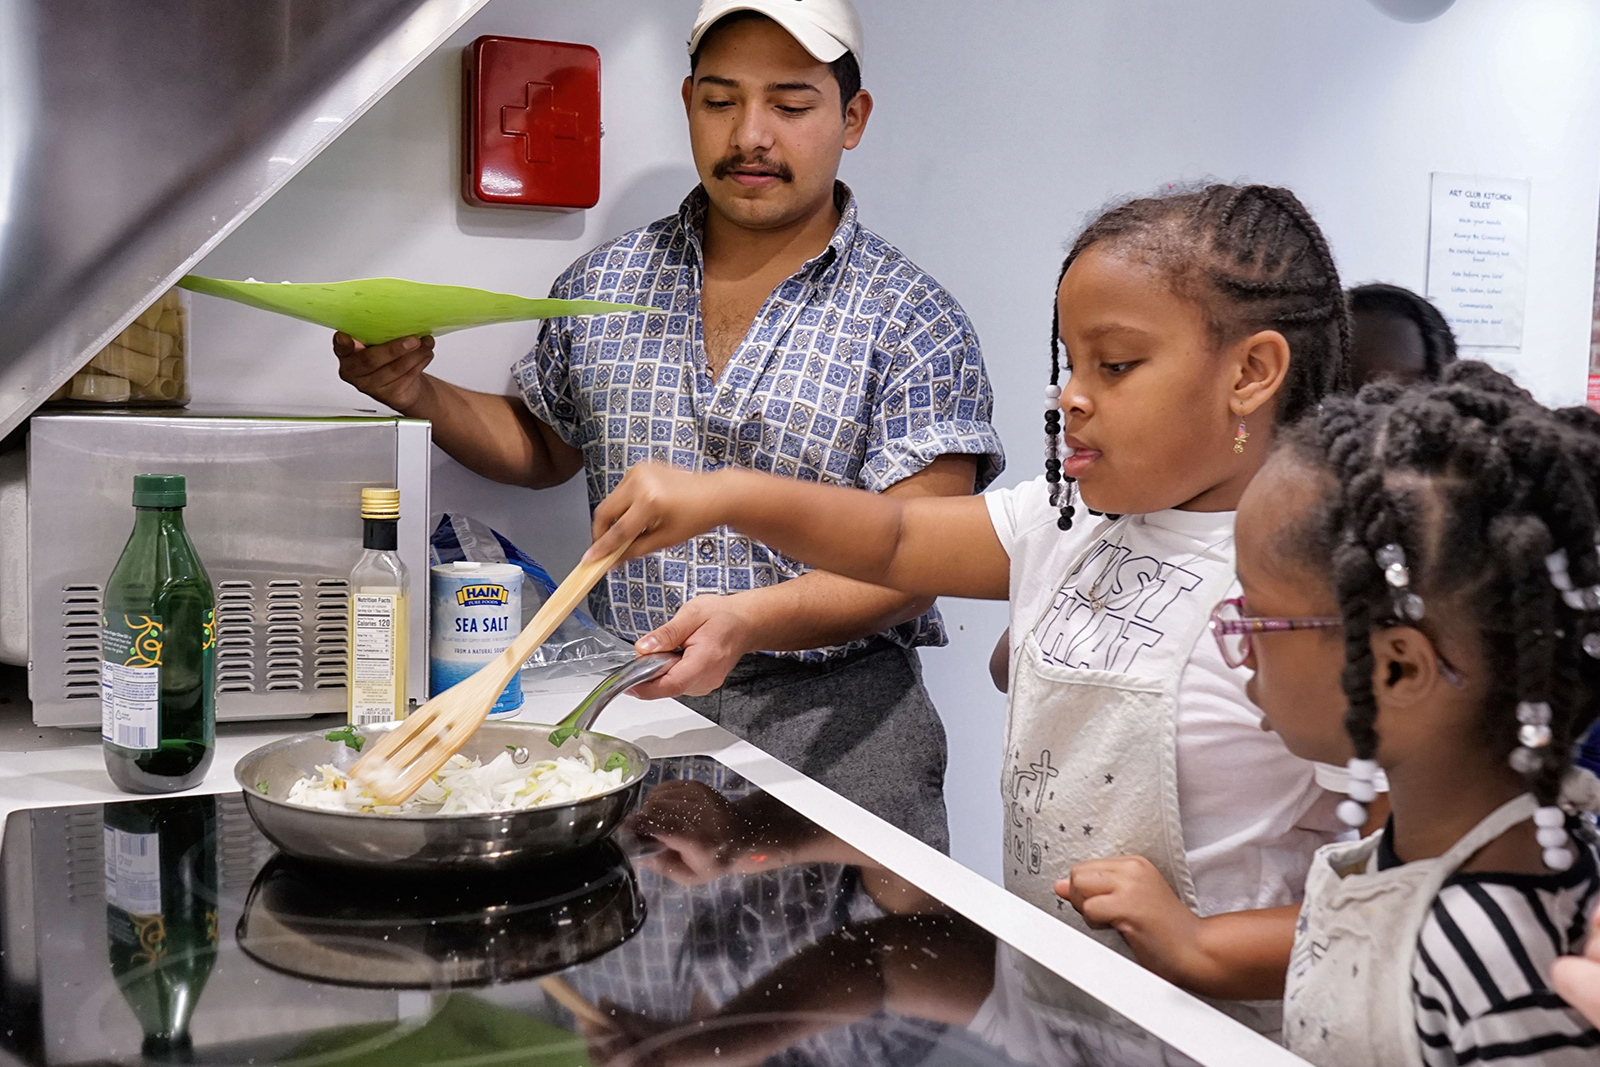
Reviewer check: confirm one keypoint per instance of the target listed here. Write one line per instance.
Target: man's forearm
(495, 436)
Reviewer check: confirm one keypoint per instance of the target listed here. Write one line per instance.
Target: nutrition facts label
(374, 617)
(130, 705)
(130, 681)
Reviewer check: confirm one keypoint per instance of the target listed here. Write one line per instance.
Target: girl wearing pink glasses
(1187, 328)
(1422, 594)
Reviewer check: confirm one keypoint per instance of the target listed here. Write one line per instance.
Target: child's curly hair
(1480, 486)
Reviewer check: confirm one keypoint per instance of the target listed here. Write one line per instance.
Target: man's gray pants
(863, 725)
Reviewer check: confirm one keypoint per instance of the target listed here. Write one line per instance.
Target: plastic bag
(580, 646)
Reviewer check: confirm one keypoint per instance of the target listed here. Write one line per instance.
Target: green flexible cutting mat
(377, 310)
(463, 1032)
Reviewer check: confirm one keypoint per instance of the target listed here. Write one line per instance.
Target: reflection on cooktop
(720, 928)
(430, 933)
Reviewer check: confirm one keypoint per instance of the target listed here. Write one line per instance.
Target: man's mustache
(727, 166)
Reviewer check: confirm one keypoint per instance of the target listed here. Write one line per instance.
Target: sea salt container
(476, 612)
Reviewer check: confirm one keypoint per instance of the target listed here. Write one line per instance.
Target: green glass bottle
(161, 914)
(157, 659)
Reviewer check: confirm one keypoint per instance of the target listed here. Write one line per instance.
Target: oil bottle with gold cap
(379, 590)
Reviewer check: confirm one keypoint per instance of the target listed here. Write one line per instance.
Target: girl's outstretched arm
(933, 546)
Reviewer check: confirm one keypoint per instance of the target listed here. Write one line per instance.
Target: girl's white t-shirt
(1252, 812)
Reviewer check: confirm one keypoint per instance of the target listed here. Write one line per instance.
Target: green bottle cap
(159, 491)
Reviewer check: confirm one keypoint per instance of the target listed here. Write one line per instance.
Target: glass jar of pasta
(144, 365)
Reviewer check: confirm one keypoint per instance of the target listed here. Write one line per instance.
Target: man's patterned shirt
(859, 370)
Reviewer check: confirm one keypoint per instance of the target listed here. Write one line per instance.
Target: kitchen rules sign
(1478, 257)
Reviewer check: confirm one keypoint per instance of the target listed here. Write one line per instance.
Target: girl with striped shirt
(1422, 594)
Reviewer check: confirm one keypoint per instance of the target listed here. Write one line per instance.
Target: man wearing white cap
(787, 338)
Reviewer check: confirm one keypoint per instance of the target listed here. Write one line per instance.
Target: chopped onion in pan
(464, 786)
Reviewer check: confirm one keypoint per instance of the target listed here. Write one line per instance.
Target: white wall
(999, 126)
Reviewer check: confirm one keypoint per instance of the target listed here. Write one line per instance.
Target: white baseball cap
(825, 28)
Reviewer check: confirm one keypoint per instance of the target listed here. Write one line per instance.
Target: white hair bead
(1534, 712)
(1558, 859)
(1550, 816)
(1556, 564)
(1352, 814)
(1586, 599)
(1052, 392)
(1551, 837)
(1532, 736)
(1364, 792)
(1525, 760)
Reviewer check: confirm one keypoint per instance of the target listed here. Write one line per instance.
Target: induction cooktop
(168, 930)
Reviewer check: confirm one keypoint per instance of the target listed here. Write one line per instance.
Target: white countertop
(47, 767)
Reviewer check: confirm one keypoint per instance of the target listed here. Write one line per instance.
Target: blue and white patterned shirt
(859, 370)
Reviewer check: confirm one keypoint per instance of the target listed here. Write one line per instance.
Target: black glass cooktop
(720, 928)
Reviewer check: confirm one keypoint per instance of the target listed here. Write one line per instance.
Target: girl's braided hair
(1252, 258)
(1478, 484)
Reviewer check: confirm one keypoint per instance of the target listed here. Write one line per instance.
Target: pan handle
(634, 672)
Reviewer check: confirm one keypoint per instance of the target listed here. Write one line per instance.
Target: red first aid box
(531, 124)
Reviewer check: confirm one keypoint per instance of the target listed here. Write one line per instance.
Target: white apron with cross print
(1091, 747)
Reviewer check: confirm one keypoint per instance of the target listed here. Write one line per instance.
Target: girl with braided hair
(1187, 328)
(1437, 547)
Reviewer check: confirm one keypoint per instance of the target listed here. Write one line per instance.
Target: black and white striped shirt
(1481, 973)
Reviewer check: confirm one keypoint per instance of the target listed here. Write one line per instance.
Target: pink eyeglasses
(1232, 629)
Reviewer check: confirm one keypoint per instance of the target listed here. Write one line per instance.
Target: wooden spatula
(413, 752)
(561, 991)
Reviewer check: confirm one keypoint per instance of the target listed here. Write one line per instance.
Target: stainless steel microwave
(274, 511)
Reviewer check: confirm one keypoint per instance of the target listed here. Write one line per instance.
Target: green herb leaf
(262, 786)
(511, 748)
(616, 762)
(348, 735)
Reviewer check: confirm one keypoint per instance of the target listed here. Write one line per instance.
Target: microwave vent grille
(266, 635)
(80, 642)
(236, 636)
(281, 638)
(332, 634)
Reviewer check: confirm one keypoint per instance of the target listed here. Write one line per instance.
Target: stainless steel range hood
(135, 136)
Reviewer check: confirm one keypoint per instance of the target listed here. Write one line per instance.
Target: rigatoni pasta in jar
(144, 364)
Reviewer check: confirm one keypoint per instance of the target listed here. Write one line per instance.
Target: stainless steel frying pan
(491, 841)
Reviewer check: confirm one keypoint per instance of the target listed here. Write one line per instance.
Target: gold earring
(1240, 438)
